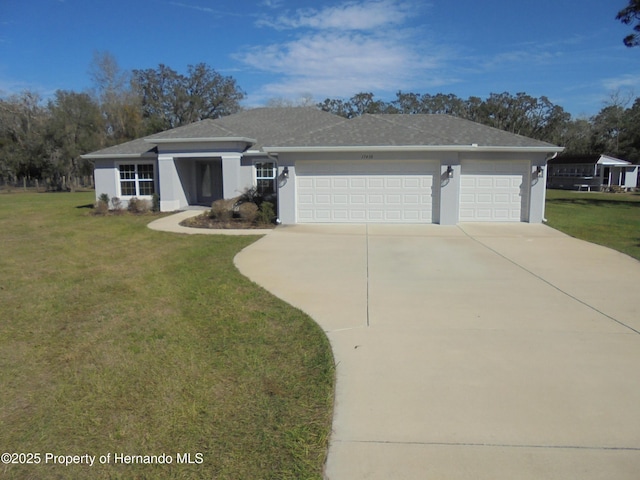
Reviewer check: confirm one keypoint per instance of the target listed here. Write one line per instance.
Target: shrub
(100, 207)
(116, 203)
(248, 212)
(155, 203)
(222, 210)
(266, 213)
(250, 195)
(138, 205)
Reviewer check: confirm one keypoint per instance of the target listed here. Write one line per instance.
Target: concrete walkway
(480, 351)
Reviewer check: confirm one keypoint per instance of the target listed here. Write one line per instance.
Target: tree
(75, 127)
(631, 14)
(609, 125)
(576, 136)
(360, 104)
(305, 100)
(523, 114)
(407, 103)
(120, 105)
(630, 140)
(363, 103)
(335, 106)
(170, 99)
(22, 125)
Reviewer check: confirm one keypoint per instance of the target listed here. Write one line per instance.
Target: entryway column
(171, 193)
(232, 184)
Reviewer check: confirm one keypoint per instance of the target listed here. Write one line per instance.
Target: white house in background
(591, 172)
(328, 169)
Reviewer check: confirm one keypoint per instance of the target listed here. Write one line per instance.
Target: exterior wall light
(449, 171)
(539, 171)
(285, 172)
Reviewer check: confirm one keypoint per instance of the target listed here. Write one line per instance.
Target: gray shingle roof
(310, 127)
(137, 147)
(406, 130)
(208, 128)
(276, 126)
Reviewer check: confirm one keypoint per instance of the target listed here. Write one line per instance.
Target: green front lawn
(115, 339)
(609, 219)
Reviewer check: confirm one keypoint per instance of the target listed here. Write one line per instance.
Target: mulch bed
(205, 221)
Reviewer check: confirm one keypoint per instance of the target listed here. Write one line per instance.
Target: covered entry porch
(190, 180)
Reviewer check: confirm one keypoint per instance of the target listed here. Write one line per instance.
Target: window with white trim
(266, 177)
(137, 179)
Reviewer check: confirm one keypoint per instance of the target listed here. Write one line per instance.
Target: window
(266, 177)
(137, 179)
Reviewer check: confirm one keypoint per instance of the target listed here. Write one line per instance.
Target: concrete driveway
(480, 351)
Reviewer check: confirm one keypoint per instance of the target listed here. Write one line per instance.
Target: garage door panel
(485, 182)
(323, 199)
(374, 192)
(492, 190)
(502, 198)
(305, 182)
(506, 183)
(375, 183)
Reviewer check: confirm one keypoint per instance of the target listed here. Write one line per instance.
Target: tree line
(44, 140)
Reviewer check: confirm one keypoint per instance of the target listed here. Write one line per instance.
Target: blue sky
(571, 52)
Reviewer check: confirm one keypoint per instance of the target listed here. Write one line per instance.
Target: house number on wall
(367, 156)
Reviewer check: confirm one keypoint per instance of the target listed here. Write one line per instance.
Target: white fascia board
(118, 156)
(200, 140)
(607, 160)
(255, 153)
(414, 148)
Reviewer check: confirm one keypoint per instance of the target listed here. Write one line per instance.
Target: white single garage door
(493, 191)
(364, 192)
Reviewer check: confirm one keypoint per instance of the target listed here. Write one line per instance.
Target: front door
(209, 181)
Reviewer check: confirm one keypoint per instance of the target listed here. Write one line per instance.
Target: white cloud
(272, 3)
(623, 82)
(348, 16)
(202, 9)
(342, 50)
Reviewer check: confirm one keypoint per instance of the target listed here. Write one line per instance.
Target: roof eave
(416, 148)
(158, 141)
(117, 156)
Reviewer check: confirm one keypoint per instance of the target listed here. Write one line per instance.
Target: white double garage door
(406, 191)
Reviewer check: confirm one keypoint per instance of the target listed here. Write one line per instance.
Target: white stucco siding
(365, 191)
(494, 191)
(105, 175)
